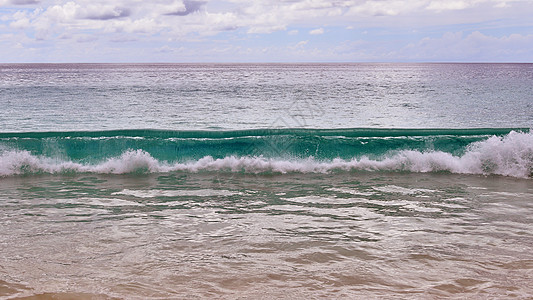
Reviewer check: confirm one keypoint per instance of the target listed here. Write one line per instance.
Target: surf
(497, 151)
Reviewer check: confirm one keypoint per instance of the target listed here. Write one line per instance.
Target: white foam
(110, 202)
(319, 199)
(176, 193)
(401, 190)
(22, 162)
(510, 155)
(351, 191)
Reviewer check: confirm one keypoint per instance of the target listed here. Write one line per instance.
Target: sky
(266, 31)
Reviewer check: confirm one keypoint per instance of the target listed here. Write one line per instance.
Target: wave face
(506, 152)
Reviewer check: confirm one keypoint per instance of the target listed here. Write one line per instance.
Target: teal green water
(295, 143)
(476, 151)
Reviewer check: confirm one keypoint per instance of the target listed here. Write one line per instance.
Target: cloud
(60, 13)
(72, 10)
(381, 8)
(144, 25)
(106, 12)
(24, 2)
(266, 29)
(189, 7)
(317, 31)
(397, 29)
(263, 17)
(21, 20)
(301, 44)
(123, 39)
(447, 5)
(86, 38)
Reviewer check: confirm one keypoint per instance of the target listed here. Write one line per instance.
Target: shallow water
(183, 235)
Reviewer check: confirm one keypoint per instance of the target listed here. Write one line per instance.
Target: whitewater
(508, 155)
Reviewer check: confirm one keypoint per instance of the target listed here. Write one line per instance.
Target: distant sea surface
(295, 181)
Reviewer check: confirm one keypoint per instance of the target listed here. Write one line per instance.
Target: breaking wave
(508, 154)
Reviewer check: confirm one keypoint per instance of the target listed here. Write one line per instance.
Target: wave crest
(510, 155)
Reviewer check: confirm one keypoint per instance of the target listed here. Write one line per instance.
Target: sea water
(172, 181)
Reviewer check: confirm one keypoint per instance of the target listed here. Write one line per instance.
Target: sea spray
(510, 154)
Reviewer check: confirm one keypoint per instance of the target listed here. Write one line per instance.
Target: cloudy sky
(266, 30)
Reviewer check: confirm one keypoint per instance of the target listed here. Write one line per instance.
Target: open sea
(266, 181)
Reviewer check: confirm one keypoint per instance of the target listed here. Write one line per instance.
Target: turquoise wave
(91, 146)
(346, 132)
(486, 150)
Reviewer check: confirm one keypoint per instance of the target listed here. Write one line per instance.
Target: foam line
(509, 155)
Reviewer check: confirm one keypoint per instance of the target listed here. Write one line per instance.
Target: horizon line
(302, 62)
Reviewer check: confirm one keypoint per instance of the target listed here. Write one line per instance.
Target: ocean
(266, 181)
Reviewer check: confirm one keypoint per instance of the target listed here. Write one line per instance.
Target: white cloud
(62, 13)
(85, 38)
(21, 20)
(157, 22)
(379, 8)
(181, 17)
(448, 5)
(317, 31)
(24, 2)
(301, 44)
(71, 11)
(18, 2)
(185, 8)
(144, 25)
(102, 12)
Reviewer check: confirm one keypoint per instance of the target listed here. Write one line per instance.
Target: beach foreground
(181, 235)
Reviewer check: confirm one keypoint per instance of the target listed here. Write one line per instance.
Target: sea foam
(509, 155)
